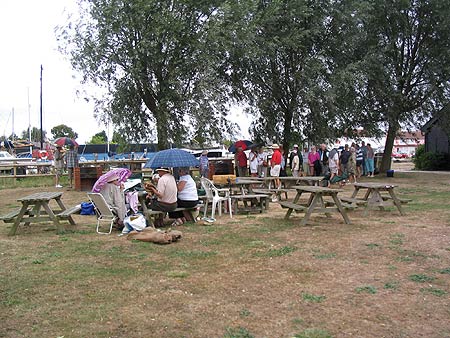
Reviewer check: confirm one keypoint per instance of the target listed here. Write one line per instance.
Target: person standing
(333, 164)
(364, 160)
(59, 165)
(352, 165)
(295, 164)
(253, 162)
(305, 154)
(313, 161)
(204, 164)
(241, 158)
(359, 161)
(275, 164)
(323, 153)
(370, 161)
(345, 156)
(262, 162)
(71, 163)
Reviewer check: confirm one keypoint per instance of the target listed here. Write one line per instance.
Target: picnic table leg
(310, 209)
(18, 219)
(396, 201)
(341, 209)
(355, 192)
(52, 216)
(289, 212)
(63, 207)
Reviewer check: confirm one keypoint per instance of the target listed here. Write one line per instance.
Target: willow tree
(152, 62)
(275, 63)
(406, 66)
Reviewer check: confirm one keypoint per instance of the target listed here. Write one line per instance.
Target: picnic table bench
(252, 203)
(10, 216)
(69, 212)
(273, 191)
(376, 197)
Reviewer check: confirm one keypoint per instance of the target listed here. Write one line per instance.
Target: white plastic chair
(104, 212)
(215, 196)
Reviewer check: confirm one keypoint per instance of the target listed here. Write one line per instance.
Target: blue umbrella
(172, 158)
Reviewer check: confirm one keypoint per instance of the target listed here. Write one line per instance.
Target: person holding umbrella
(165, 193)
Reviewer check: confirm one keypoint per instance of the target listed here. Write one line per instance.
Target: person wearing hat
(58, 157)
(204, 164)
(166, 194)
(112, 191)
(275, 164)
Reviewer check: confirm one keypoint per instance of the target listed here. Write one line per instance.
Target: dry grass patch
(249, 276)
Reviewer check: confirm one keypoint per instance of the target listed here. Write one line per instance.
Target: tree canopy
(63, 131)
(153, 59)
(306, 70)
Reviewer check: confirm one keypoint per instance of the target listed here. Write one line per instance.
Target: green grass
(434, 291)
(366, 289)
(313, 333)
(312, 298)
(238, 332)
(421, 278)
(391, 285)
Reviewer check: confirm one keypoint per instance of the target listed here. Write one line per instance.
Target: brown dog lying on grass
(156, 236)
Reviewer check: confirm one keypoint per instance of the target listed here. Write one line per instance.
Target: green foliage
(434, 291)
(366, 289)
(312, 298)
(35, 134)
(313, 333)
(158, 63)
(239, 332)
(99, 138)
(431, 160)
(63, 131)
(421, 278)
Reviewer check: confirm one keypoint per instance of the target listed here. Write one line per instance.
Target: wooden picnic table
(292, 180)
(31, 211)
(375, 198)
(315, 203)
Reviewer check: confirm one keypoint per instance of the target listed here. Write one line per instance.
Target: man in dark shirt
(345, 155)
(242, 162)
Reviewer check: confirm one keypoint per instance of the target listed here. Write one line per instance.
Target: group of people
(166, 195)
(350, 162)
(65, 160)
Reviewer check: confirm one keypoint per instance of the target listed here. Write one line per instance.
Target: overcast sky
(28, 40)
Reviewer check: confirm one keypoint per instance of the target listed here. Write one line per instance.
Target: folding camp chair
(104, 212)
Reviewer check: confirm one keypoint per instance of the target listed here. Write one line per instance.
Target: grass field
(384, 275)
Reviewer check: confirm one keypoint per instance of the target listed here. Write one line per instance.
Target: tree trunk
(162, 127)
(390, 137)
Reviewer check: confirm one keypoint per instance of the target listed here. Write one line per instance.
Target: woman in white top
(253, 160)
(187, 196)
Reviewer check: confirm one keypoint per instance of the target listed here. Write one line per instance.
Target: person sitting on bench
(187, 197)
(165, 193)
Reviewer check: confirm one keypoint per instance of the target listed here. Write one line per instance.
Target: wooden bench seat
(293, 206)
(69, 212)
(258, 203)
(9, 217)
(402, 200)
(353, 200)
(149, 213)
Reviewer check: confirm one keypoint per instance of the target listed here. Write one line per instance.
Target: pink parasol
(121, 173)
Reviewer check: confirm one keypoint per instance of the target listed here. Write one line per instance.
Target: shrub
(431, 160)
